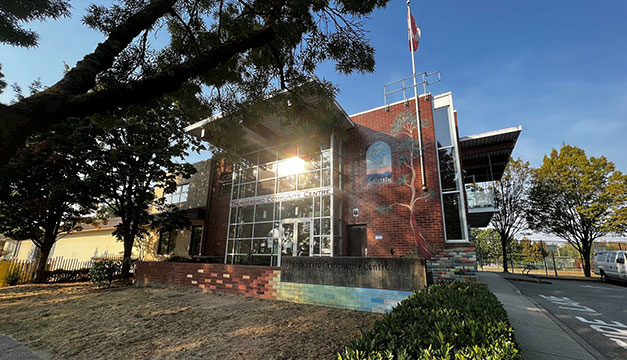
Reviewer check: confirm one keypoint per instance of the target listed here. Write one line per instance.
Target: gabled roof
(485, 155)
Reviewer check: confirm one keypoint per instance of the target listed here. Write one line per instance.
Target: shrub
(103, 272)
(61, 275)
(447, 321)
(14, 276)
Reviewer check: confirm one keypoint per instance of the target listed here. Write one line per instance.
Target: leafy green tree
(239, 50)
(533, 251)
(142, 147)
(13, 13)
(510, 197)
(574, 197)
(44, 192)
(487, 244)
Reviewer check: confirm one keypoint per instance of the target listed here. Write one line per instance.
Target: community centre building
(334, 195)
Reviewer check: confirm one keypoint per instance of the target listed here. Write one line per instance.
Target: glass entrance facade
(283, 202)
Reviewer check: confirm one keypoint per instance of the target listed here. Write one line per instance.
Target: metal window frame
(439, 102)
(276, 215)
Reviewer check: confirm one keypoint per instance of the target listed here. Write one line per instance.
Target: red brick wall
(217, 216)
(394, 225)
(237, 279)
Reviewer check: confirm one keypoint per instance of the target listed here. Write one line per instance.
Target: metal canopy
(484, 156)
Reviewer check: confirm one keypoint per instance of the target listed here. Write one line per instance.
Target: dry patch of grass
(76, 321)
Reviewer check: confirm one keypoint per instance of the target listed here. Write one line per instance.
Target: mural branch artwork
(405, 129)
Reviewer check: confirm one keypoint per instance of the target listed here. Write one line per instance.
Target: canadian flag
(413, 32)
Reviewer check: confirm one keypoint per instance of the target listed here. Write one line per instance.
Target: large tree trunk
(504, 249)
(585, 260)
(128, 251)
(44, 253)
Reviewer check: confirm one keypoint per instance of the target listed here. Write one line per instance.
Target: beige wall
(88, 244)
(82, 246)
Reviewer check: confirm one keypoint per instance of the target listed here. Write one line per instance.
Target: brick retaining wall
(264, 282)
(454, 264)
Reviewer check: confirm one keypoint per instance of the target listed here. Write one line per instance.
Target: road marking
(616, 331)
(566, 303)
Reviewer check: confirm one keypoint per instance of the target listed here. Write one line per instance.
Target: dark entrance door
(357, 240)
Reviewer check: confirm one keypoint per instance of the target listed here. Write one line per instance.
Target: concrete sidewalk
(15, 350)
(539, 336)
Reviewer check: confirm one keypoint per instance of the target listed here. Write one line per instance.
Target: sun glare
(291, 166)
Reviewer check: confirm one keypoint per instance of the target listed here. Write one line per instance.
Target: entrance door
(357, 240)
(295, 238)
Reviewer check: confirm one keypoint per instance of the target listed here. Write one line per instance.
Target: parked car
(611, 265)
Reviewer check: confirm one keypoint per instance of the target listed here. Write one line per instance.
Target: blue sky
(558, 68)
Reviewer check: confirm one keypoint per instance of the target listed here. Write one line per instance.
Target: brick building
(341, 194)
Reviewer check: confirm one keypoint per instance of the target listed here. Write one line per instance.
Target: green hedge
(448, 321)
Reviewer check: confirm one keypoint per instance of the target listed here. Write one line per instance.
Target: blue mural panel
(379, 164)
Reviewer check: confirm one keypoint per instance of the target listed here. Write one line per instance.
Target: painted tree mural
(406, 130)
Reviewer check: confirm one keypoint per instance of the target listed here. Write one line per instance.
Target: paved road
(596, 312)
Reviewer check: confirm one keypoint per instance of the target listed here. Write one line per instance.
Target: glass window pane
(267, 171)
(235, 192)
(263, 229)
(232, 231)
(326, 177)
(326, 159)
(265, 187)
(245, 231)
(262, 246)
(326, 206)
(447, 169)
(311, 162)
(442, 126)
(452, 211)
(304, 207)
(233, 215)
(267, 155)
(196, 239)
(325, 245)
(288, 209)
(246, 213)
(287, 183)
(247, 190)
(317, 206)
(326, 226)
(242, 246)
(183, 197)
(316, 245)
(309, 180)
(264, 212)
(248, 175)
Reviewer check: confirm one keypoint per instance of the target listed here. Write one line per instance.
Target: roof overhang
(273, 121)
(484, 156)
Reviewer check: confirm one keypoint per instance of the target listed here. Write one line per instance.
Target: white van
(611, 265)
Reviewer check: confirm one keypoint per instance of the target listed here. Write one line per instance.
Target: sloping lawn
(76, 321)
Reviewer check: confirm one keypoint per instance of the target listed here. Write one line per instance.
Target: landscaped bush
(449, 321)
(103, 272)
(14, 276)
(60, 275)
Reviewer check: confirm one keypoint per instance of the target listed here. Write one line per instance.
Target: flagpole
(413, 66)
